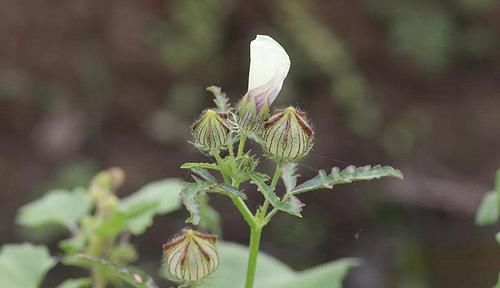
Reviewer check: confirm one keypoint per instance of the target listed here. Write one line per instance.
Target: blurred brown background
(85, 85)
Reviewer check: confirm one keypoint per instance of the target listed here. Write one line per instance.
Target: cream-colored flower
(190, 257)
(269, 65)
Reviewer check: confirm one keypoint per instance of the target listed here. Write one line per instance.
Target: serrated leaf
(488, 212)
(204, 174)
(24, 265)
(348, 175)
(76, 283)
(133, 277)
(221, 100)
(156, 198)
(289, 207)
(58, 207)
(230, 191)
(289, 175)
(189, 195)
(191, 165)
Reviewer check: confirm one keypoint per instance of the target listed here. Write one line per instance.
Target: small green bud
(287, 136)
(211, 131)
(250, 116)
(190, 257)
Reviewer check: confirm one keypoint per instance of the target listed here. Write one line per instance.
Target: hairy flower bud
(190, 257)
(211, 131)
(287, 136)
(250, 117)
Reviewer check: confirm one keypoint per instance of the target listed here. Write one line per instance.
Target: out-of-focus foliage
(24, 265)
(431, 33)
(57, 207)
(272, 273)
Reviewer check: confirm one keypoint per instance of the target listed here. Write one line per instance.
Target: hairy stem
(274, 182)
(241, 146)
(255, 234)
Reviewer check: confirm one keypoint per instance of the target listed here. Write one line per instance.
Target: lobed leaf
(133, 277)
(24, 265)
(193, 191)
(348, 175)
(289, 175)
(58, 207)
(488, 212)
(290, 206)
(189, 194)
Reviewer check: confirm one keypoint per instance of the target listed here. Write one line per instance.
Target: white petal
(269, 65)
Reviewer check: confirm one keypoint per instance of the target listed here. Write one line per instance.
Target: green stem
(255, 234)
(244, 211)
(274, 182)
(241, 146)
(219, 163)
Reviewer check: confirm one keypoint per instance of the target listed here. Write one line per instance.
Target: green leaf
(58, 207)
(498, 282)
(498, 237)
(229, 191)
(24, 265)
(272, 273)
(232, 270)
(189, 198)
(330, 275)
(156, 198)
(289, 175)
(203, 173)
(76, 283)
(209, 217)
(290, 207)
(133, 277)
(191, 165)
(348, 175)
(221, 99)
(488, 212)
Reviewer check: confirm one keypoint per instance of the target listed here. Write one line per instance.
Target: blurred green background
(88, 84)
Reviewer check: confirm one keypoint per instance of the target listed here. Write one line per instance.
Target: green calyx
(251, 118)
(211, 131)
(287, 136)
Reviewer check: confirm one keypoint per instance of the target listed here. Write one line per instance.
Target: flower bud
(251, 117)
(211, 131)
(287, 136)
(190, 257)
